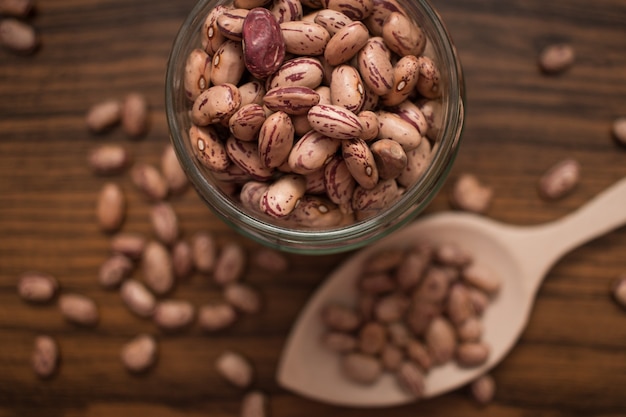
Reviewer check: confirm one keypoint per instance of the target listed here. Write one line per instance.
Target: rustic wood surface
(570, 361)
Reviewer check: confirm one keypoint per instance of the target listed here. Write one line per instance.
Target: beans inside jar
(313, 114)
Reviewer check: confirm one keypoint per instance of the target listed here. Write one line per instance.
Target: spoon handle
(547, 243)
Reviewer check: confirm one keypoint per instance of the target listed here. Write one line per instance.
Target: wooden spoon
(521, 256)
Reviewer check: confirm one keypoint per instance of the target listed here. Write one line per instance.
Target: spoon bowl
(520, 256)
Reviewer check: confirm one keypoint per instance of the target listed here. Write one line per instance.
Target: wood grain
(571, 360)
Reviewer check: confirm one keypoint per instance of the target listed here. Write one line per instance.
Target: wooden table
(571, 360)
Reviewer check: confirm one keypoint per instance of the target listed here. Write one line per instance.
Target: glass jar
(288, 236)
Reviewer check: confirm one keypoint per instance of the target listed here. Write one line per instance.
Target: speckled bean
(392, 126)
(390, 158)
(374, 63)
(335, 121)
(418, 160)
(216, 105)
(312, 152)
(360, 162)
(291, 100)
(304, 38)
(246, 122)
(332, 20)
(230, 23)
(317, 212)
(211, 36)
(246, 156)
(406, 73)
(402, 35)
(227, 64)
(346, 88)
(354, 9)
(345, 43)
(429, 78)
(208, 148)
(263, 44)
(283, 195)
(252, 92)
(384, 193)
(339, 182)
(380, 10)
(276, 138)
(298, 72)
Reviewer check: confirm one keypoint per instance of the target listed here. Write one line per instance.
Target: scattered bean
(619, 290)
(109, 159)
(619, 130)
(483, 389)
(140, 353)
(20, 8)
(158, 272)
(182, 259)
(235, 368)
(164, 222)
(18, 36)
(216, 316)
(270, 260)
(79, 309)
(114, 270)
(129, 244)
(172, 315)
(469, 194)
(104, 115)
(204, 252)
(37, 287)
(254, 404)
(135, 115)
(559, 180)
(138, 298)
(45, 356)
(111, 207)
(230, 264)
(556, 58)
(173, 173)
(243, 297)
(149, 181)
